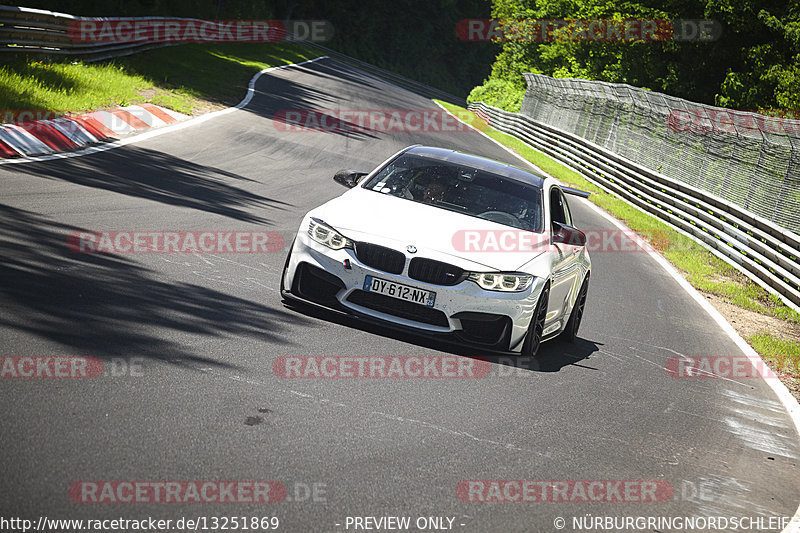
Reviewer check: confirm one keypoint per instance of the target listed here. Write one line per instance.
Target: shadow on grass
(13, 98)
(219, 72)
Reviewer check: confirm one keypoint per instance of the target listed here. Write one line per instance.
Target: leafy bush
(754, 64)
(498, 93)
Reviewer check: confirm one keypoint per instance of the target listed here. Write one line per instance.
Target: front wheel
(570, 332)
(534, 337)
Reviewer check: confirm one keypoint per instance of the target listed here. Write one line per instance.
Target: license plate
(399, 291)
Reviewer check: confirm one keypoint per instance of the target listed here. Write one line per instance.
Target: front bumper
(464, 312)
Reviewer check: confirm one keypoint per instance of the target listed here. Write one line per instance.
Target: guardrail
(25, 31)
(767, 254)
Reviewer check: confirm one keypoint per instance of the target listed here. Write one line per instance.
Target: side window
(557, 208)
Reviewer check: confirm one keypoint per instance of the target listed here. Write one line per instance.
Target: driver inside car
(434, 192)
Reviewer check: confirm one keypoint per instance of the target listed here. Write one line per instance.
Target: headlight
(324, 234)
(501, 281)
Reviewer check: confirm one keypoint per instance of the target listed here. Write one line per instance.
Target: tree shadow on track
(282, 99)
(338, 72)
(158, 176)
(349, 89)
(368, 85)
(107, 305)
(553, 355)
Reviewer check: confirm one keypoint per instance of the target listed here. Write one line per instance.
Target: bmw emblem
(411, 249)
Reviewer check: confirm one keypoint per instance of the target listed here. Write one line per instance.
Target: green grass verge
(702, 269)
(782, 355)
(184, 78)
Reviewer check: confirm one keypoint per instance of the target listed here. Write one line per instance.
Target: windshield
(466, 190)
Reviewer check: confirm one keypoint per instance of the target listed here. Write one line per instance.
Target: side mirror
(348, 178)
(564, 234)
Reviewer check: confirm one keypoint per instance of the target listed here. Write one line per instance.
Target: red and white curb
(65, 134)
(113, 143)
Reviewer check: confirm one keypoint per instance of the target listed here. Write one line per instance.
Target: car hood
(437, 233)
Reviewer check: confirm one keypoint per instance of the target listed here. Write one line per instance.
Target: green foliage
(755, 64)
(177, 77)
(64, 87)
(782, 354)
(415, 38)
(765, 71)
(499, 93)
(217, 72)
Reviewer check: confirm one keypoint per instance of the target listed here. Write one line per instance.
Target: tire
(286, 265)
(570, 333)
(534, 337)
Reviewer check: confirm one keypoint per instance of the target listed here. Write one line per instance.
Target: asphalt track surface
(204, 403)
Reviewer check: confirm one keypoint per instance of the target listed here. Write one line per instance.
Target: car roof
(481, 163)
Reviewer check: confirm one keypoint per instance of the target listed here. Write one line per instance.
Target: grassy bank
(187, 78)
(705, 271)
(782, 355)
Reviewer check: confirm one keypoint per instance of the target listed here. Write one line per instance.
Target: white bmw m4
(447, 244)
